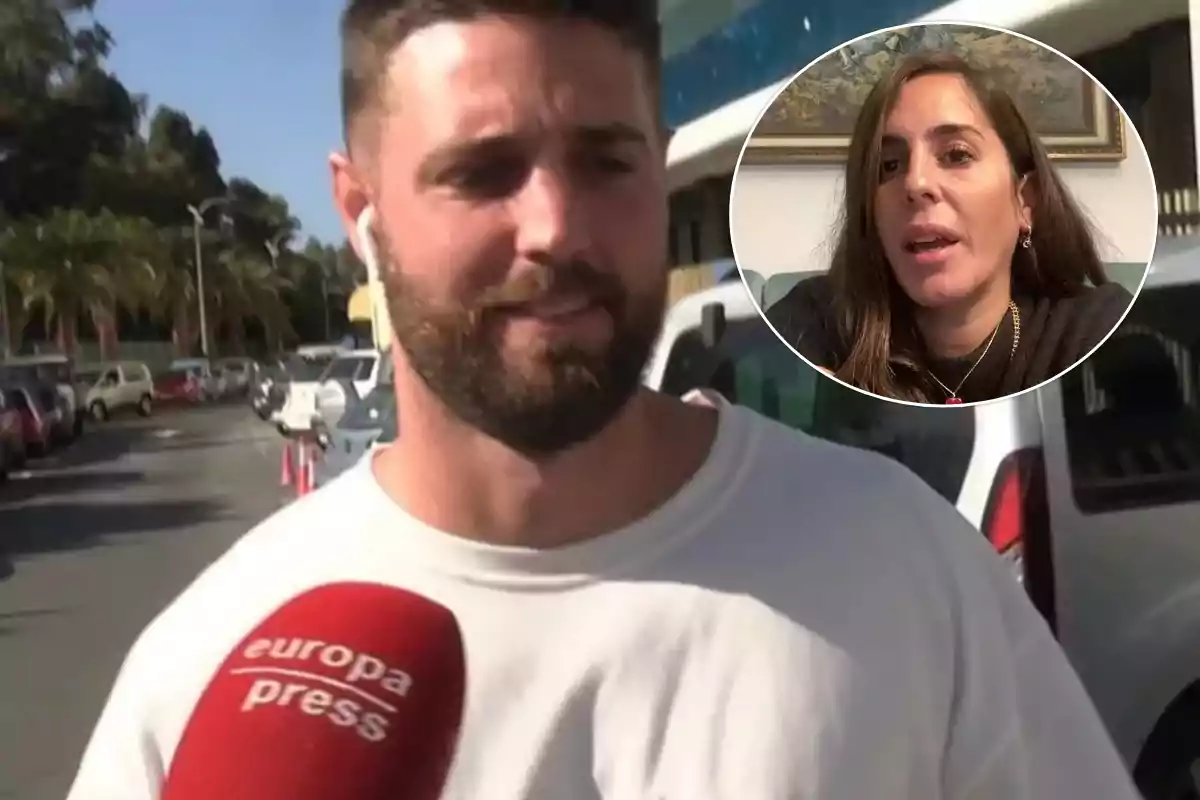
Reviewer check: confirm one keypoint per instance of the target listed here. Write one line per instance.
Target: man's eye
(608, 163)
(492, 180)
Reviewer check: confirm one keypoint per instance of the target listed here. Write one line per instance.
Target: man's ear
(351, 197)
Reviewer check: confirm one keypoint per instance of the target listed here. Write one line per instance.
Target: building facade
(724, 59)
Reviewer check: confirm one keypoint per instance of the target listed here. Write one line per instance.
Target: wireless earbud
(366, 242)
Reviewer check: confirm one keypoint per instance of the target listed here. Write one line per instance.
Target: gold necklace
(952, 398)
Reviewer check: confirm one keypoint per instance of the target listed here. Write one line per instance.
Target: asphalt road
(97, 540)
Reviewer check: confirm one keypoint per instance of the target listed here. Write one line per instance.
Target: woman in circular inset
(963, 269)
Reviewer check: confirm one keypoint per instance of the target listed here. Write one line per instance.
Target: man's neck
(957, 330)
(457, 480)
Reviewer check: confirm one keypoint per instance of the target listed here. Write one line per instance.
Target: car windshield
(52, 372)
(306, 370)
(376, 411)
(88, 377)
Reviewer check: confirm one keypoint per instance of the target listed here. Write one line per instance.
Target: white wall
(781, 217)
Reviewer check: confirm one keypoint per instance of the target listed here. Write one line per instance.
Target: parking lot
(94, 541)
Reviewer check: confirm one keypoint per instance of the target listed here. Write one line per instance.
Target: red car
(12, 436)
(178, 385)
(37, 421)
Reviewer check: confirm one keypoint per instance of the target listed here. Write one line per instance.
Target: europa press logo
(345, 682)
(326, 680)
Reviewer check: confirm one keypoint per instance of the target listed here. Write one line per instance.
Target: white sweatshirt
(801, 620)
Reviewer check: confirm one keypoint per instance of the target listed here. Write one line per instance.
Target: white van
(1089, 487)
(360, 367)
(349, 378)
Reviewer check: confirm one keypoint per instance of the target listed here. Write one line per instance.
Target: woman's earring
(1027, 240)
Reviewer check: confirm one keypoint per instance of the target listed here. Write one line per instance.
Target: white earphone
(366, 242)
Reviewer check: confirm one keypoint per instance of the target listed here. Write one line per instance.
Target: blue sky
(261, 75)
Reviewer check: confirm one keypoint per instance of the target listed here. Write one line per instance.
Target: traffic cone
(304, 478)
(310, 472)
(287, 474)
(301, 469)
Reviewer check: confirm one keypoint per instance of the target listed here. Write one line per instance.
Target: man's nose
(549, 216)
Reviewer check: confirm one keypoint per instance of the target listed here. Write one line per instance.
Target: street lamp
(197, 213)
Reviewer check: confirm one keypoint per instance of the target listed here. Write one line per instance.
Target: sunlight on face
(947, 207)
(523, 209)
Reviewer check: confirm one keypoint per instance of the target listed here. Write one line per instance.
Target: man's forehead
(496, 75)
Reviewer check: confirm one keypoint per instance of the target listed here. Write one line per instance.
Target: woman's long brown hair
(875, 316)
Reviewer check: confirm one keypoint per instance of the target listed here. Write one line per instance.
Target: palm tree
(73, 265)
(135, 256)
(174, 292)
(245, 286)
(13, 314)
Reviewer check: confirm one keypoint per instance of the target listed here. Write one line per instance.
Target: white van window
(365, 367)
(755, 369)
(1131, 411)
(347, 369)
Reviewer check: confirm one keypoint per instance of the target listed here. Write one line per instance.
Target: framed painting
(811, 120)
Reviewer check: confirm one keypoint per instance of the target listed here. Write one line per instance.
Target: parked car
(239, 374)
(371, 422)
(211, 385)
(350, 377)
(117, 386)
(180, 385)
(1089, 487)
(36, 407)
(13, 452)
(57, 370)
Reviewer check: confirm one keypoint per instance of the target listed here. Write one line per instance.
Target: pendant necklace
(952, 398)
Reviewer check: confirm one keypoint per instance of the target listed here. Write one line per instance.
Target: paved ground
(98, 540)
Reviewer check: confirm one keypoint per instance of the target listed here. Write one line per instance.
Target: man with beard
(576, 587)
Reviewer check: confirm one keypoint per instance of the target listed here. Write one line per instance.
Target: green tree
(75, 266)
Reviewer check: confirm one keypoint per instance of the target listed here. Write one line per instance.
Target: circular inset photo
(963, 213)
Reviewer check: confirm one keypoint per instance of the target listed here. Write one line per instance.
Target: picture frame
(811, 120)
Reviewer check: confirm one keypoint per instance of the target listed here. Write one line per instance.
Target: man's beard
(566, 394)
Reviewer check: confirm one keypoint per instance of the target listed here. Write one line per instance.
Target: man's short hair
(372, 29)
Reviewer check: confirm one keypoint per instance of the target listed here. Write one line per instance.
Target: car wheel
(1168, 765)
(145, 406)
(98, 410)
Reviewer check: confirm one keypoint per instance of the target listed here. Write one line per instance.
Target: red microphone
(350, 691)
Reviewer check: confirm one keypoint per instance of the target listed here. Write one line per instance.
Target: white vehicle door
(110, 387)
(127, 389)
(1122, 439)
